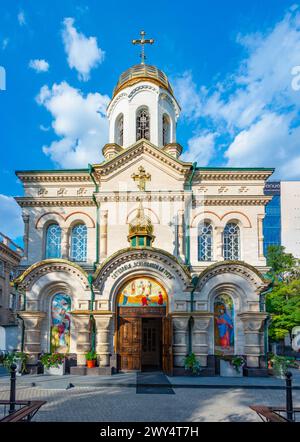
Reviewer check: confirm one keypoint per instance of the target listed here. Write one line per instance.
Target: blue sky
(233, 66)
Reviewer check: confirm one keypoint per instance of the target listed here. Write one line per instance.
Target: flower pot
(91, 363)
(55, 371)
(227, 370)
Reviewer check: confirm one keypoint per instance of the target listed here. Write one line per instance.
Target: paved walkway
(123, 404)
(129, 380)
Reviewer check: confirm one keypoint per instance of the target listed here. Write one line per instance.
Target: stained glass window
(205, 239)
(79, 242)
(231, 240)
(143, 124)
(53, 241)
(166, 130)
(119, 130)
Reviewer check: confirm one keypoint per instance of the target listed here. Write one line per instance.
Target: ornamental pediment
(142, 153)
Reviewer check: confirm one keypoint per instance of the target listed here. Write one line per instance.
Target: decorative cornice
(233, 267)
(6, 252)
(54, 202)
(53, 176)
(35, 271)
(233, 175)
(243, 200)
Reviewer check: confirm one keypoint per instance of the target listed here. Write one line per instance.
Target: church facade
(144, 257)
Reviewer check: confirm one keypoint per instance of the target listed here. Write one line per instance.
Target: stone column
(180, 335)
(103, 234)
(64, 243)
(32, 334)
(26, 234)
(103, 324)
(180, 230)
(253, 327)
(218, 248)
(260, 236)
(200, 336)
(83, 343)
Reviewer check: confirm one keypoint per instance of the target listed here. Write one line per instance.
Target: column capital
(32, 318)
(202, 320)
(180, 322)
(252, 320)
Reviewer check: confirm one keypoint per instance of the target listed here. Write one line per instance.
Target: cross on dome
(142, 41)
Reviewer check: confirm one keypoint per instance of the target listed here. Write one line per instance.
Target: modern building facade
(144, 257)
(281, 225)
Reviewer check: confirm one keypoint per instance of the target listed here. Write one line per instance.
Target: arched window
(166, 129)
(205, 242)
(231, 242)
(119, 129)
(53, 241)
(143, 124)
(60, 323)
(79, 242)
(224, 325)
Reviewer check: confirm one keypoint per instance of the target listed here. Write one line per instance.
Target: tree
(281, 263)
(284, 305)
(283, 302)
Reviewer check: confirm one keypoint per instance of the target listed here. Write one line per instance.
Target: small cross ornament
(142, 177)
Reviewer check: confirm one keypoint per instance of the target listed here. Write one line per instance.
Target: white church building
(144, 257)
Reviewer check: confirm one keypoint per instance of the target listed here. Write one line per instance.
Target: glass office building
(272, 220)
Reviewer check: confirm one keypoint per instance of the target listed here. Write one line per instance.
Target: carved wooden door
(129, 343)
(167, 356)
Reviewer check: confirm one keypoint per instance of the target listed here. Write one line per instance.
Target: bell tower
(143, 106)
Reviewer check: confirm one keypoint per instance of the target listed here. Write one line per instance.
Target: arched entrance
(144, 338)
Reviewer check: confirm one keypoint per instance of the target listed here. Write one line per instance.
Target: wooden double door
(145, 343)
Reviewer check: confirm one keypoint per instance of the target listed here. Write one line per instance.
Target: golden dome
(142, 72)
(141, 226)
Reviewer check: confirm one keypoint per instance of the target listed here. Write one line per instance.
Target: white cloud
(80, 123)
(4, 44)
(83, 52)
(11, 223)
(39, 65)
(255, 107)
(201, 148)
(21, 18)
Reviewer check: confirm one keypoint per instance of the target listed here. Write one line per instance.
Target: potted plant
(280, 365)
(54, 363)
(16, 357)
(191, 364)
(238, 362)
(91, 358)
(230, 366)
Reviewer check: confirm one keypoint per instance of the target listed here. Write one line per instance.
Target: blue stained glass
(53, 241)
(231, 242)
(79, 243)
(205, 242)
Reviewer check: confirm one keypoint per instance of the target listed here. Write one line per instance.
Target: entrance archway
(144, 337)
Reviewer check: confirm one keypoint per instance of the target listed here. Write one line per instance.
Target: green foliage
(52, 359)
(283, 303)
(13, 358)
(191, 363)
(91, 356)
(237, 362)
(280, 364)
(280, 262)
